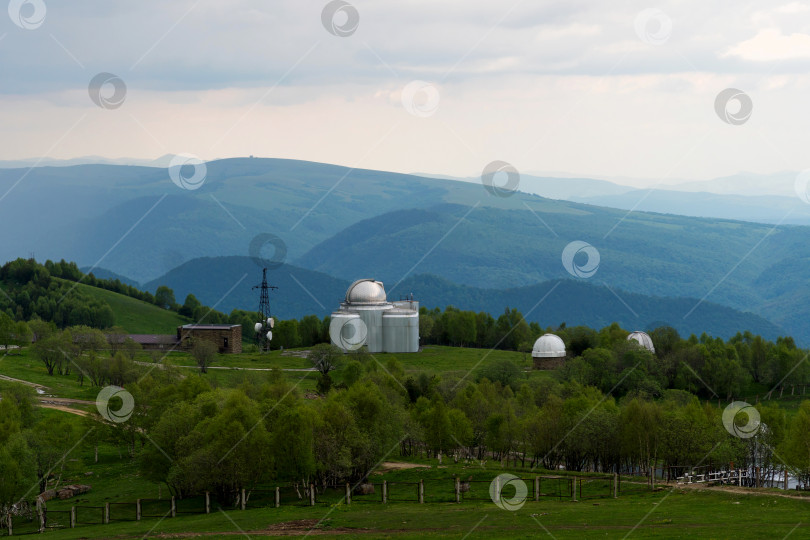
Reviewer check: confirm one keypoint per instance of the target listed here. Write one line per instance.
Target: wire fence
(595, 488)
(403, 491)
(434, 490)
(123, 511)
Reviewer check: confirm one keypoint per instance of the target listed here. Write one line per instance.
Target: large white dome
(548, 346)
(366, 291)
(642, 339)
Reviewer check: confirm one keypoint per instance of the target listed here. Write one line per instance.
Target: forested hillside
(302, 292)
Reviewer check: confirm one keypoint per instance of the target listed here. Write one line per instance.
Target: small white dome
(642, 339)
(366, 291)
(548, 346)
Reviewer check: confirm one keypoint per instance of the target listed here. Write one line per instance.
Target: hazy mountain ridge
(350, 223)
(658, 255)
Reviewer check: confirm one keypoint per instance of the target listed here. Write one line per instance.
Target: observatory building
(643, 339)
(548, 352)
(366, 317)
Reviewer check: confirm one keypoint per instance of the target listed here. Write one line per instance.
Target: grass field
(135, 316)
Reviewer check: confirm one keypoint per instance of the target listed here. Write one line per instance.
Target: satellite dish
(257, 327)
(271, 322)
(269, 336)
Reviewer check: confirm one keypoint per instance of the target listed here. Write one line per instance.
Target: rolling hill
(134, 221)
(738, 264)
(346, 223)
(136, 316)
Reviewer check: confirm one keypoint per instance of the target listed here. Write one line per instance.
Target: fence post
(10, 527)
(615, 485)
(536, 488)
(72, 517)
(278, 497)
(174, 507)
(242, 501)
(106, 513)
(421, 491)
(207, 503)
(385, 491)
(312, 494)
(137, 510)
(348, 493)
(739, 478)
(458, 490)
(42, 509)
(573, 489)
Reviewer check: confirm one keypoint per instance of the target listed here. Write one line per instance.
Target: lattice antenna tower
(264, 327)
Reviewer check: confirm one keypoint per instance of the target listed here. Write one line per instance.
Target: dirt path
(62, 408)
(64, 401)
(233, 368)
(27, 383)
(737, 490)
(398, 466)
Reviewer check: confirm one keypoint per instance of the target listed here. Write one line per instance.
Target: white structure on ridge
(366, 317)
(548, 352)
(643, 339)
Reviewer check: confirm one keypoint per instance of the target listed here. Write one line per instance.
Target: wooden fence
(450, 490)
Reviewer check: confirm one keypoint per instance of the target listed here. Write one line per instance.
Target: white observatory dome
(642, 339)
(366, 291)
(548, 346)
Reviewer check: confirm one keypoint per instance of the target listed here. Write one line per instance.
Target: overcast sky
(616, 89)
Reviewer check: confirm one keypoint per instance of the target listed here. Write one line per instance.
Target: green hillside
(136, 316)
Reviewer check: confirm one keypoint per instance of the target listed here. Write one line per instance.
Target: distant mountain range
(343, 224)
(744, 197)
(162, 161)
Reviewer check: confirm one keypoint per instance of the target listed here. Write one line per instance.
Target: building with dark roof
(227, 337)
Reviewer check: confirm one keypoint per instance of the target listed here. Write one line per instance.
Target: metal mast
(264, 309)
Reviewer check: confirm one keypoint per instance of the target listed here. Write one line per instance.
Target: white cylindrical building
(373, 321)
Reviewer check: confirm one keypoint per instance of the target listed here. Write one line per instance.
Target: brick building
(227, 337)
